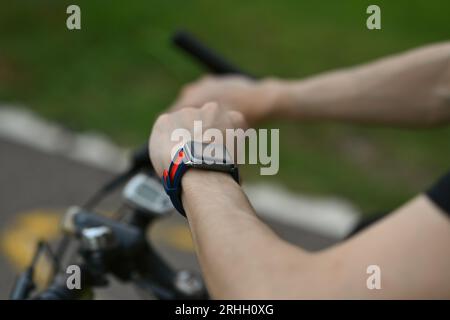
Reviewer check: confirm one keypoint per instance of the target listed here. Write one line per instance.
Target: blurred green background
(118, 72)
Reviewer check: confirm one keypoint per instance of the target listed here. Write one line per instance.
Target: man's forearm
(241, 258)
(237, 252)
(409, 89)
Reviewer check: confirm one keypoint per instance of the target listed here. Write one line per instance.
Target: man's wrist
(274, 92)
(202, 185)
(282, 97)
(198, 180)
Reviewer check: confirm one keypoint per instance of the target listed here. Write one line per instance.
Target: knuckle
(186, 111)
(237, 118)
(206, 78)
(162, 118)
(239, 115)
(187, 89)
(211, 106)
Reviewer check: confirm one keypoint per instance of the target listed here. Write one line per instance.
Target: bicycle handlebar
(204, 55)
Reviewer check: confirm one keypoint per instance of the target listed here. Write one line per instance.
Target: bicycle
(119, 247)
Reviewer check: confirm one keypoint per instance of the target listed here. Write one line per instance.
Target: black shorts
(439, 193)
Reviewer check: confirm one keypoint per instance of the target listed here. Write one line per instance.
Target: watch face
(207, 153)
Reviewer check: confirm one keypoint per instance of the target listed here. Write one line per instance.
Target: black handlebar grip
(140, 158)
(204, 55)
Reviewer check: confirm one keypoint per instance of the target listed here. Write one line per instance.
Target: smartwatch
(200, 155)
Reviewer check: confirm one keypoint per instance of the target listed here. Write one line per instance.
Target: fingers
(209, 112)
(212, 110)
(191, 95)
(197, 93)
(210, 107)
(238, 119)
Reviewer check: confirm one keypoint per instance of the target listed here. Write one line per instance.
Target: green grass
(119, 72)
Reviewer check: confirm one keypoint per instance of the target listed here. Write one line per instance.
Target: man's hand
(408, 89)
(211, 115)
(254, 99)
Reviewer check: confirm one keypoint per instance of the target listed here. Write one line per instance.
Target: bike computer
(147, 194)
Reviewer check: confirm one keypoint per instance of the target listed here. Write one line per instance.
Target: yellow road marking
(18, 241)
